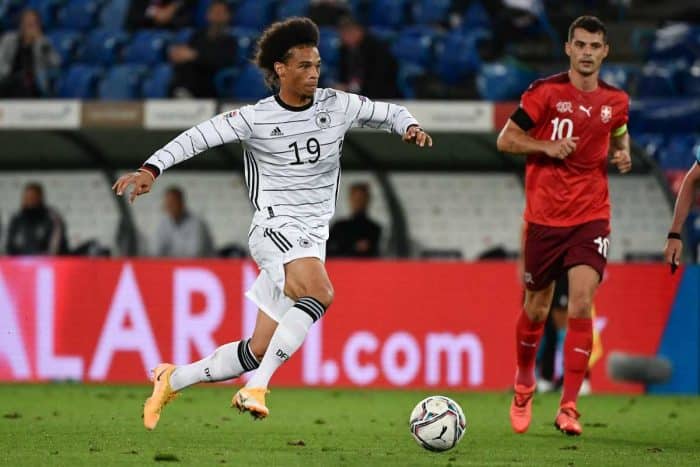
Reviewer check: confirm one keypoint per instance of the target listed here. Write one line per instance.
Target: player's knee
(321, 291)
(580, 306)
(537, 309)
(324, 294)
(537, 313)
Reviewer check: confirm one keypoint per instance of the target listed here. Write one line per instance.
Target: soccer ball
(438, 423)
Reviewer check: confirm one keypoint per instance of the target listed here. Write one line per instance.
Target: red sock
(527, 336)
(577, 351)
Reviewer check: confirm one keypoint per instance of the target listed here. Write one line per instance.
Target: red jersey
(562, 193)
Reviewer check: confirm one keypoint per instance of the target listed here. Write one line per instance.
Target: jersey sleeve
(619, 126)
(229, 127)
(365, 113)
(533, 104)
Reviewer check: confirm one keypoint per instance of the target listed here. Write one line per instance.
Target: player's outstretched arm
(686, 195)
(365, 113)
(620, 150)
(514, 140)
(234, 126)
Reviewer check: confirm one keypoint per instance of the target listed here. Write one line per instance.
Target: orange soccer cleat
(251, 400)
(567, 419)
(521, 408)
(162, 394)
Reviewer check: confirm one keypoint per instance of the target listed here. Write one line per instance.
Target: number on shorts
(603, 245)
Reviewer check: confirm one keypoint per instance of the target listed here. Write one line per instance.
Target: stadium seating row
(92, 32)
(672, 152)
(83, 14)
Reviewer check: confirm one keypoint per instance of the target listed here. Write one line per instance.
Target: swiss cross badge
(605, 113)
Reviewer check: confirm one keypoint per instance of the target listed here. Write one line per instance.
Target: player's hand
(142, 182)
(561, 148)
(622, 160)
(672, 252)
(417, 135)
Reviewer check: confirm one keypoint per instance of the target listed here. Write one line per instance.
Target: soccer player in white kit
(292, 145)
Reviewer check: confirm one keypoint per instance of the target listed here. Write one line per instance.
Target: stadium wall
(394, 324)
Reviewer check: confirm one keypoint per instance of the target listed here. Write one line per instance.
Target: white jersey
(291, 155)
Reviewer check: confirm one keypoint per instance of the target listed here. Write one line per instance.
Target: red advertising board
(393, 324)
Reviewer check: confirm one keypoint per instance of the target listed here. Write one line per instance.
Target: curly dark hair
(276, 42)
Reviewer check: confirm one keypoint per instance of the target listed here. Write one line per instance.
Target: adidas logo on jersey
(276, 132)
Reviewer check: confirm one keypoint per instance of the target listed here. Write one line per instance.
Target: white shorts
(271, 250)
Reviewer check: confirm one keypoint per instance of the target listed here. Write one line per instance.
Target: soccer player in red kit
(570, 126)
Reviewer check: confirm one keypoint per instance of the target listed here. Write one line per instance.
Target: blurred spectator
(367, 66)
(181, 234)
(27, 59)
(209, 50)
(327, 12)
(160, 14)
(358, 236)
(36, 229)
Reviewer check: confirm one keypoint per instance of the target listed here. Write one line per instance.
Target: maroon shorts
(551, 251)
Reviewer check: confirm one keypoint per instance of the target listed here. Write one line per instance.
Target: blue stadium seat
(113, 14)
(78, 14)
(651, 143)
(79, 82)
(250, 84)
(329, 46)
(503, 81)
(200, 13)
(415, 45)
(386, 35)
(255, 14)
(47, 9)
(103, 47)
(406, 77)
(678, 42)
(245, 43)
(290, 8)
(621, 76)
(147, 47)
(122, 82)
(359, 9)
(183, 36)
(690, 80)
(157, 84)
(387, 13)
(458, 55)
(476, 16)
(66, 44)
(431, 11)
(246, 84)
(657, 80)
(678, 152)
(9, 13)
(224, 81)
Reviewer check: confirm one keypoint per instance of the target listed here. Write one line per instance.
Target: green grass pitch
(75, 425)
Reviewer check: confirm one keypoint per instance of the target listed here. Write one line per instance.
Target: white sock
(227, 362)
(288, 337)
